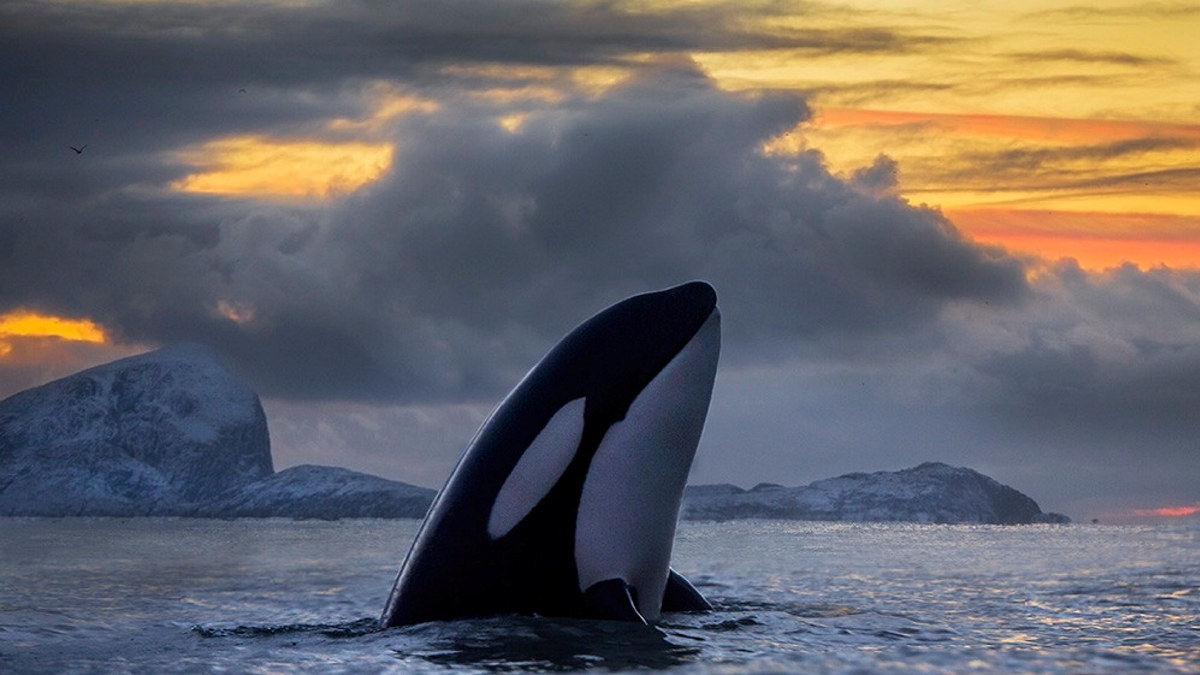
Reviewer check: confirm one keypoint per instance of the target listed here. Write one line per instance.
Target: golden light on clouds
(598, 79)
(1043, 115)
(1038, 109)
(1103, 192)
(259, 166)
(22, 323)
(541, 84)
(973, 161)
(25, 325)
(1057, 129)
(512, 123)
(387, 103)
(1095, 240)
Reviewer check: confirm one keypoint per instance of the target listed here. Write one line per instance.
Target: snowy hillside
(146, 435)
(172, 432)
(323, 492)
(929, 493)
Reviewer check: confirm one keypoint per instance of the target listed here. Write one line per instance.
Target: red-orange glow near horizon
(1094, 240)
(1062, 206)
(1170, 511)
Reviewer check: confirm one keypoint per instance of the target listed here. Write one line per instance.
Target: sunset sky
(954, 231)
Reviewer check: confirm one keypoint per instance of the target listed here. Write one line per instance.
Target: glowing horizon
(1169, 511)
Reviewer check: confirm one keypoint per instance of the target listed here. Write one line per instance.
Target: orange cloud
(257, 166)
(1095, 240)
(22, 326)
(23, 323)
(387, 103)
(1104, 192)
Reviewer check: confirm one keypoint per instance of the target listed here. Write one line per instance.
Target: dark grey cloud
(660, 181)
(1122, 361)
(134, 79)
(1101, 388)
(272, 43)
(482, 245)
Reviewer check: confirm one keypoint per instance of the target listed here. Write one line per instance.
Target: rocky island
(173, 432)
(930, 493)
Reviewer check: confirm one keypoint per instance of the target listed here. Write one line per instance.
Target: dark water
(269, 596)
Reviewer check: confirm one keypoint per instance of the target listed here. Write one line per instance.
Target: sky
(951, 231)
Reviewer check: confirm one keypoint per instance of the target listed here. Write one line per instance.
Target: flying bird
(79, 150)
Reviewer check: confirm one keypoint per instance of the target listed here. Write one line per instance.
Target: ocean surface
(272, 596)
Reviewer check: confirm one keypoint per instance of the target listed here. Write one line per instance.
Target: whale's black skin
(583, 528)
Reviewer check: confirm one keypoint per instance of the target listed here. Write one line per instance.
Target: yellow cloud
(545, 84)
(387, 102)
(258, 166)
(23, 323)
(512, 123)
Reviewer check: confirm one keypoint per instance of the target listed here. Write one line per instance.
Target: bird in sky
(79, 150)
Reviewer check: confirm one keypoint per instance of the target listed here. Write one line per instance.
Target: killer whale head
(566, 500)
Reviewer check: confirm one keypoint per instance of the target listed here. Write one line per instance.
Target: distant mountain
(929, 493)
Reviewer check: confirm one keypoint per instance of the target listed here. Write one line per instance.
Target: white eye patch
(543, 463)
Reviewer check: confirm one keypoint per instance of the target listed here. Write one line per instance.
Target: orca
(565, 502)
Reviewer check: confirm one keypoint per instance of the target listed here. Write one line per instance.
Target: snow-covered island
(929, 493)
(175, 432)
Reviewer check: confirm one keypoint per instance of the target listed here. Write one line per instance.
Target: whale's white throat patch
(631, 496)
(544, 461)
